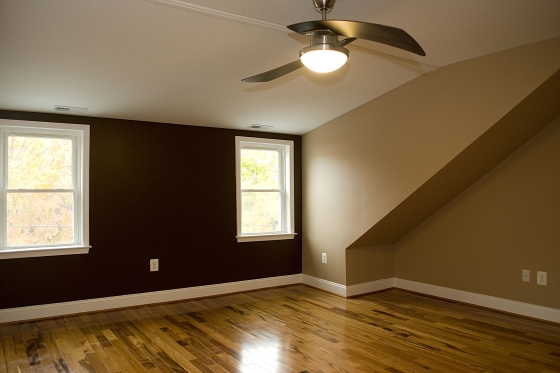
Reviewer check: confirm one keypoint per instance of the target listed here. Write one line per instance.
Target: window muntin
(264, 169)
(43, 177)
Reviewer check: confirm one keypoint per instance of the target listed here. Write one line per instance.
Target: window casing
(265, 189)
(44, 204)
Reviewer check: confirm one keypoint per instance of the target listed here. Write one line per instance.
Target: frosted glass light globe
(323, 60)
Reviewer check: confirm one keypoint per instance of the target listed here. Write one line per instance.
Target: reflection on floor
(289, 329)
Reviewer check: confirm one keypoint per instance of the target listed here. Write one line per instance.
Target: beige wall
(507, 221)
(369, 264)
(360, 166)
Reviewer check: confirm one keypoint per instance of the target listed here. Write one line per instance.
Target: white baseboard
(90, 305)
(99, 304)
(501, 304)
(348, 291)
(319, 283)
(370, 287)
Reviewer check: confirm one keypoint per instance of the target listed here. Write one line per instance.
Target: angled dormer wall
(507, 221)
(361, 166)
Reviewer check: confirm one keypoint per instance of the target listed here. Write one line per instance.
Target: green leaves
(259, 169)
(260, 194)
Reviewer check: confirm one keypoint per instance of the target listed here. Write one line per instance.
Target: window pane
(40, 218)
(260, 212)
(39, 163)
(259, 169)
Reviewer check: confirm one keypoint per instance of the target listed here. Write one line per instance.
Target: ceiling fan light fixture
(324, 58)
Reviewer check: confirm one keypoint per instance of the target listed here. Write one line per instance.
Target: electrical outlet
(526, 275)
(541, 278)
(154, 265)
(324, 257)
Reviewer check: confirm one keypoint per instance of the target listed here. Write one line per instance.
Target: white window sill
(266, 237)
(43, 251)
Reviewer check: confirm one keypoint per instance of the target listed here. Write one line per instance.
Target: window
(44, 181)
(265, 189)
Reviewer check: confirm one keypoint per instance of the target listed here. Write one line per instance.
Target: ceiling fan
(326, 53)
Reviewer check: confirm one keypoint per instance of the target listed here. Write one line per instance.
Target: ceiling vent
(259, 126)
(69, 109)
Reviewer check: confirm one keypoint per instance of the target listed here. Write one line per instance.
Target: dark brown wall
(161, 191)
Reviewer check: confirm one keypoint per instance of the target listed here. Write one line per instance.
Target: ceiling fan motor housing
(325, 53)
(323, 40)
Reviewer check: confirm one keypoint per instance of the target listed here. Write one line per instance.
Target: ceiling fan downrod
(324, 7)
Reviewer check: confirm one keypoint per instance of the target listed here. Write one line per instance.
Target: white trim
(319, 283)
(511, 306)
(370, 287)
(266, 237)
(221, 14)
(348, 291)
(99, 304)
(79, 135)
(495, 303)
(43, 251)
(286, 175)
(90, 305)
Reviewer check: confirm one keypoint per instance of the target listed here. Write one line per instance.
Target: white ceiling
(182, 62)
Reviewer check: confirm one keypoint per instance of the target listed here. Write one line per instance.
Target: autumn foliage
(40, 194)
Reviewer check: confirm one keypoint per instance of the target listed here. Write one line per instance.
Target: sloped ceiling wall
(362, 165)
(505, 222)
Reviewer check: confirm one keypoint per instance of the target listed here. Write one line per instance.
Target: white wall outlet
(154, 265)
(324, 257)
(541, 278)
(526, 275)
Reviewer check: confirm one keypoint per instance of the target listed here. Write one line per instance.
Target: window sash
(280, 211)
(75, 210)
(281, 166)
(281, 186)
(41, 133)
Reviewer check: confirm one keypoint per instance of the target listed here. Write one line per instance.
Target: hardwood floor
(290, 329)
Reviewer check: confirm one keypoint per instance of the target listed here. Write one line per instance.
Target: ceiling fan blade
(392, 36)
(346, 41)
(274, 73)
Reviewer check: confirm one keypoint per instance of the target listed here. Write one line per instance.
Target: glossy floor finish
(289, 329)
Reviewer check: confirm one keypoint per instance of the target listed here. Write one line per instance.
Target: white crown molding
(273, 26)
(220, 14)
(500, 304)
(90, 305)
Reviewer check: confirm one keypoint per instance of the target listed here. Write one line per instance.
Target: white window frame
(286, 149)
(79, 133)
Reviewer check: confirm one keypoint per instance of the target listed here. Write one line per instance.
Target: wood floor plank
(295, 329)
